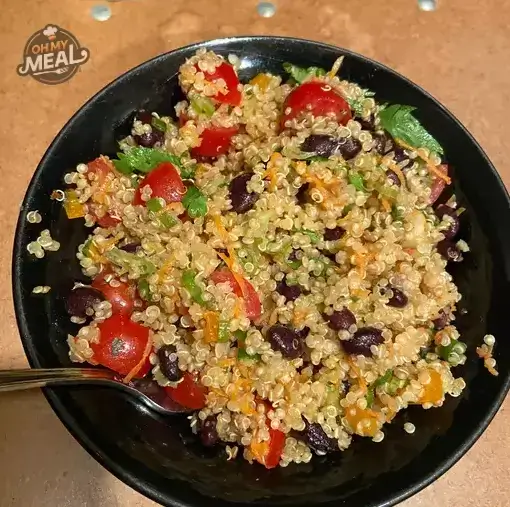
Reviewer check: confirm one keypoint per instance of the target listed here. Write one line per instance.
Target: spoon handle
(16, 380)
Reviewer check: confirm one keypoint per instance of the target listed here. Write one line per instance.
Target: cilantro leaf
(357, 181)
(301, 74)
(401, 124)
(357, 104)
(143, 160)
(195, 202)
(314, 236)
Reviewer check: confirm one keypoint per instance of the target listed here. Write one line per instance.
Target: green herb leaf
(385, 378)
(143, 289)
(159, 124)
(223, 331)
(401, 124)
(188, 172)
(357, 104)
(314, 236)
(202, 105)
(301, 74)
(188, 281)
(130, 261)
(347, 209)
(143, 160)
(240, 336)
(154, 205)
(195, 202)
(356, 180)
(244, 356)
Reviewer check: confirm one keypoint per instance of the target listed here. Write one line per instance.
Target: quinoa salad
(274, 256)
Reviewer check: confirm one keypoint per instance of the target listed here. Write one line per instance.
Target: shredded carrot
(430, 166)
(212, 324)
(433, 169)
(138, 367)
(225, 363)
(271, 171)
(259, 450)
(237, 309)
(386, 205)
(358, 374)
(163, 271)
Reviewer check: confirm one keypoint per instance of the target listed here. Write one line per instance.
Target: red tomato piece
(438, 184)
(228, 74)
(276, 445)
(121, 345)
(189, 392)
(215, 141)
(122, 297)
(108, 221)
(252, 305)
(165, 182)
(317, 98)
(100, 166)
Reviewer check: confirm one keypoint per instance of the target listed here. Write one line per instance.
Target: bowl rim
(53, 399)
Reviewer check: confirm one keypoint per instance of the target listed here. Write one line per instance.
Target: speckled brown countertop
(459, 53)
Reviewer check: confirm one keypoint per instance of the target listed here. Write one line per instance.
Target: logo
(52, 56)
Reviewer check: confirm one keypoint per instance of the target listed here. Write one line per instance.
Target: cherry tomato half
(215, 141)
(107, 221)
(276, 445)
(317, 98)
(189, 392)
(165, 182)
(252, 305)
(121, 297)
(228, 74)
(121, 345)
(101, 167)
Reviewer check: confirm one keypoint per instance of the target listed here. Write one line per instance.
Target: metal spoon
(151, 394)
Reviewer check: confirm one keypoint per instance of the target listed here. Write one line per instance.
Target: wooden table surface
(459, 53)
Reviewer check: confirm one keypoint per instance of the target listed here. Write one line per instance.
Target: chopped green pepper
(154, 205)
(159, 124)
(189, 283)
(167, 220)
(202, 105)
(244, 356)
(130, 261)
(86, 250)
(223, 331)
(357, 181)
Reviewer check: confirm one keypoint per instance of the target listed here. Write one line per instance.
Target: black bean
(286, 340)
(242, 200)
(320, 144)
(144, 116)
(208, 432)
(334, 234)
(449, 250)
(291, 292)
(330, 255)
(399, 299)
(130, 247)
(168, 363)
(340, 319)
(349, 147)
(366, 123)
(82, 299)
(453, 220)
(150, 139)
(392, 176)
(441, 321)
(382, 143)
(362, 340)
(400, 156)
(302, 193)
(317, 439)
(303, 333)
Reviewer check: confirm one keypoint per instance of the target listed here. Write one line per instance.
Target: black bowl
(158, 456)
